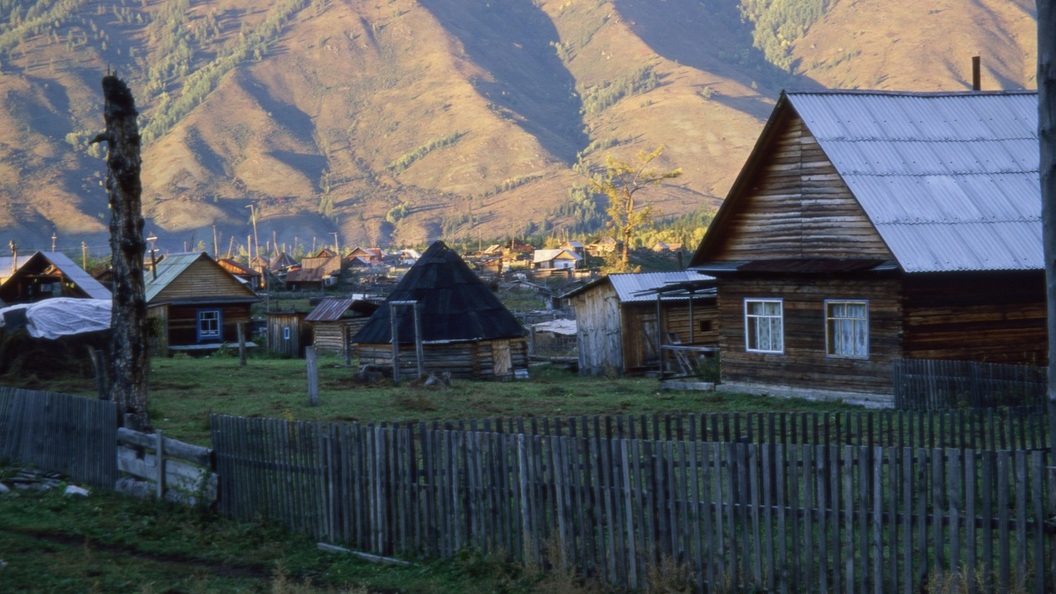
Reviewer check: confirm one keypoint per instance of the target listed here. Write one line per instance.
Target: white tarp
(63, 316)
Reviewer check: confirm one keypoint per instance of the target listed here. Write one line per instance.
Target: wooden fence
(738, 515)
(929, 384)
(73, 436)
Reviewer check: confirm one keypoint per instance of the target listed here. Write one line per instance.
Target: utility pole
(216, 251)
(334, 233)
(53, 238)
(84, 255)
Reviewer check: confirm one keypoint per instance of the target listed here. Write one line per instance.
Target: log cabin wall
(183, 322)
(804, 363)
(795, 206)
(472, 360)
(330, 337)
(997, 317)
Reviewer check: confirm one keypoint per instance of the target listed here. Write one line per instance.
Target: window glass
(847, 328)
(208, 324)
(764, 325)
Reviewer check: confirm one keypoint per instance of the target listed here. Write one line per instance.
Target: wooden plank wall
(798, 207)
(804, 363)
(76, 437)
(736, 516)
(598, 330)
(183, 321)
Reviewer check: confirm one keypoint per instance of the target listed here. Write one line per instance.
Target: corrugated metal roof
(329, 310)
(949, 180)
(78, 275)
(643, 286)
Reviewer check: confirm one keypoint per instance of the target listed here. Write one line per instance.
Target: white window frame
(773, 321)
(211, 335)
(857, 325)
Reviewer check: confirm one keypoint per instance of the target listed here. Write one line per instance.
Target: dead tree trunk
(1047, 140)
(128, 345)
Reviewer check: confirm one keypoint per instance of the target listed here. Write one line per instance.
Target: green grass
(184, 391)
(112, 543)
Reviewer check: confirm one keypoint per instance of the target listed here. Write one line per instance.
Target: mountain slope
(404, 121)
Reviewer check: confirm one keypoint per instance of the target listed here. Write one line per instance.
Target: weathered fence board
(738, 515)
(66, 434)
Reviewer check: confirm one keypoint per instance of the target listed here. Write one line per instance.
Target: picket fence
(934, 384)
(736, 515)
(76, 437)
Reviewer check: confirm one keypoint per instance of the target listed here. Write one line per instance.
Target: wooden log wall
(183, 321)
(475, 360)
(72, 436)
(998, 317)
(804, 363)
(737, 516)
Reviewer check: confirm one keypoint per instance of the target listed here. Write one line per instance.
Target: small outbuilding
(462, 327)
(335, 321)
(623, 320)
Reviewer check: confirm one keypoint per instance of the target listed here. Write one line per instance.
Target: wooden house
(464, 328)
(623, 319)
(604, 245)
(576, 247)
(369, 255)
(556, 259)
(867, 227)
(43, 275)
(195, 304)
(253, 278)
(333, 322)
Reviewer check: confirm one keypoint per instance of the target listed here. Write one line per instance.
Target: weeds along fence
(76, 437)
(735, 515)
(994, 428)
(930, 384)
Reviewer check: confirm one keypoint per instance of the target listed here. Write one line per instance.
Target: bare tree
(620, 181)
(128, 345)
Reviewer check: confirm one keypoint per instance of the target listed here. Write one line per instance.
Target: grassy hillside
(403, 121)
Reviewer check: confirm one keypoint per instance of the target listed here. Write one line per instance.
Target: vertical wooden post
(313, 376)
(419, 349)
(100, 373)
(345, 346)
(1047, 170)
(241, 344)
(159, 463)
(394, 333)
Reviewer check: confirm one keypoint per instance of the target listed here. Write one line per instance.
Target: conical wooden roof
(455, 305)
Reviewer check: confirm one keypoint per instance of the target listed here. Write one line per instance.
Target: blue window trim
(210, 336)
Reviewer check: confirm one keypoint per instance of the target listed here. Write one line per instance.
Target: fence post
(159, 459)
(241, 344)
(313, 376)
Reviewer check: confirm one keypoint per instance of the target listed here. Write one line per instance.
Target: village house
(868, 227)
(463, 329)
(43, 275)
(251, 277)
(623, 319)
(556, 259)
(194, 304)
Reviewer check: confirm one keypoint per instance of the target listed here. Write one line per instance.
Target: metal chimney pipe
(977, 84)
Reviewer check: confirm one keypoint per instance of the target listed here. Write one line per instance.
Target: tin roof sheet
(949, 180)
(643, 286)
